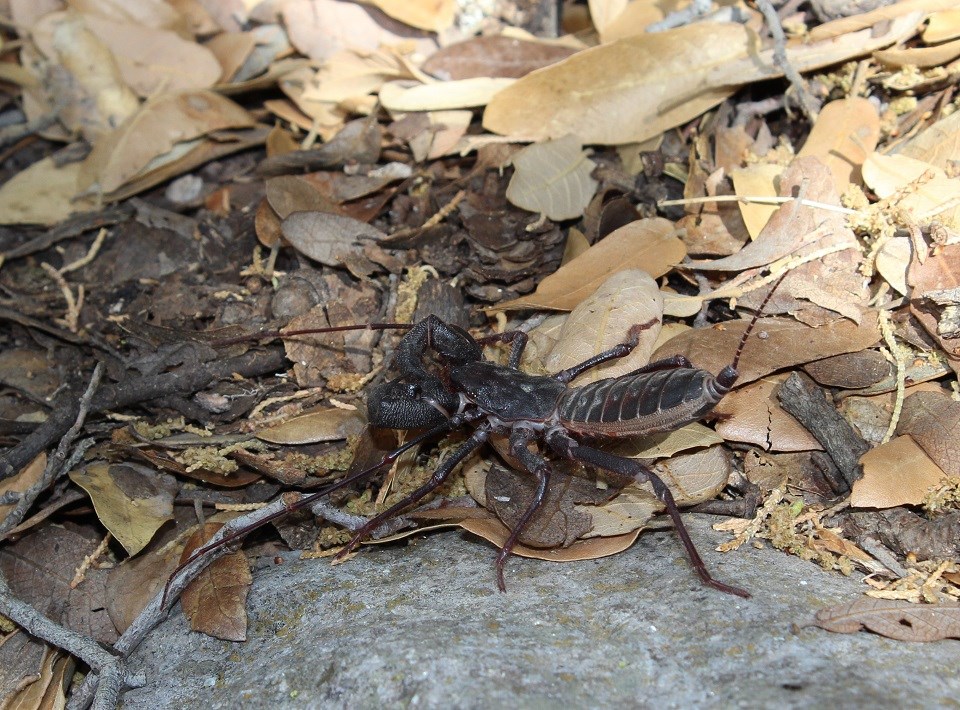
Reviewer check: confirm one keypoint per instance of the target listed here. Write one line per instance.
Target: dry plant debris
(179, 175)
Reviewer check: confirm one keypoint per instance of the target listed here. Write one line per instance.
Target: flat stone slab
(422, 625)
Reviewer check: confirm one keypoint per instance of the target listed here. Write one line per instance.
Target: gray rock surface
(422, 625)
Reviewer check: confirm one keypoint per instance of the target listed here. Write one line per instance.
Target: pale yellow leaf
(430, 15)
(845, 133)
(553, 179)
(603, 12)
(930, 195)
(441, 95)
(942, 26)
(635, 19)
(321, 28)
(923, 57)
(757, 180)
(892, 263)
(622, 92)
(131, 501)
(896, 473)
(42, 194)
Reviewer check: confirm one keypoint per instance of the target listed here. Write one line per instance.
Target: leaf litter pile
(180, 174)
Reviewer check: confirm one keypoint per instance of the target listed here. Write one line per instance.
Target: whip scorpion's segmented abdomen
(644, 403)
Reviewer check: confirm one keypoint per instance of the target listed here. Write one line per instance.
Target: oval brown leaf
(215, 602)
(330, 424)
(325, 237)
(553, 179)
(894, 619)
(496, 56)
(776, 343)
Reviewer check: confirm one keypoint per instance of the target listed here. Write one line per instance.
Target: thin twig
(757, 200)
(807, 102)
(58, 463)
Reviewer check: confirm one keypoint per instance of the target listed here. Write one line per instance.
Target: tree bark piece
(809, 405)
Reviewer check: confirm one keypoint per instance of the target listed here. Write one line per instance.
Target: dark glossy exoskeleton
(444, 383)
(500, 399)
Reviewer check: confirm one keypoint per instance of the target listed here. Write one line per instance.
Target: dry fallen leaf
(22, 481)
(131, 501)
(42, 194)
(757, 180)
(932, 419)
(928, 193)
(553, 179)
(492, 530)
(626, 299)
(163, 124)
(430, 15)
(440, 95)
(331, 424)
(894, 619)
(327, 238)
(493, 56)
(215, 602)
(752, 414)
(648, 244)
(895, 473)
(623, 92)
(845, 133)
(775, 344)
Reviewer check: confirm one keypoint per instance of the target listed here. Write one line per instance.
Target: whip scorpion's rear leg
(630, 468)
(536, 465)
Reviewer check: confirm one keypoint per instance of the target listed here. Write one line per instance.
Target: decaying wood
(808, 403)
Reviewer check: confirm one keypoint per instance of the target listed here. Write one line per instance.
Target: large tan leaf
(42, 194)
(156, 129)
(648, 244)
(845, 133)
(622, 92)
(895, 473)
(626, 299)
(553, 178)
(151, 60)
